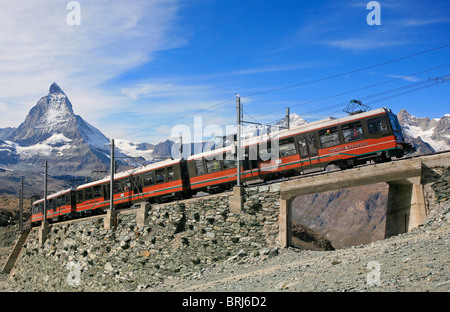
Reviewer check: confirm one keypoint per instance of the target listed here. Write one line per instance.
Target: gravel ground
(413, 262)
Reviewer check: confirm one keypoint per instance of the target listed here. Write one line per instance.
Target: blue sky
(135, 69)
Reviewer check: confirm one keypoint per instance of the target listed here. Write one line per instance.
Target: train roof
(129, 172)
(324, 123)
(53, 195)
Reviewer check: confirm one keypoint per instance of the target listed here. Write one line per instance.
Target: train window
(303, 147)
(170, 174)
(117, 187)
(148, 178)
(97, 191)
(200, 169)
(377, 125)
(287, 147)
(127, 185)
(329, 137)
(88, 193)
(213, 165)
(80, 196)
(229, 163)
(311, 140)
(160, 175)
(352, 132)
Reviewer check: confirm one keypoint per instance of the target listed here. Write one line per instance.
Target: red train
(346, 142)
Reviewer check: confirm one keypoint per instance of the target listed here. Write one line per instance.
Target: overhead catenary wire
(354, 90)
(416, 87)
(346, 73)
(287, 87)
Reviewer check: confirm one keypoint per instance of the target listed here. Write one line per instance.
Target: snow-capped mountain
(51, 131)
(294, 121)
(428, 134)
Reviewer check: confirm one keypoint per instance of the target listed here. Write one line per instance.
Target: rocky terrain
(414, 262)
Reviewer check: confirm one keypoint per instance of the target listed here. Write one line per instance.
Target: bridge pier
(142, 214)
(405, 207)
(43, 232)
(110, 220)
(286, 221)
(237, 199)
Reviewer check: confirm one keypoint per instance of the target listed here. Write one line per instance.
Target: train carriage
(159, 182)
(59, 205)
(375, 135)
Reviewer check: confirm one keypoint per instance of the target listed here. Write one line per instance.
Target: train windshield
(396, 126)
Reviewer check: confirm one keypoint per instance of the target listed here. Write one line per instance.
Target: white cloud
(406, 78)
(147, 90)
(39, 47)
(363, 44)
(425, 21)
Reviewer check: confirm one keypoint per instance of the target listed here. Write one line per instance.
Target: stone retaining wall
(178, 239)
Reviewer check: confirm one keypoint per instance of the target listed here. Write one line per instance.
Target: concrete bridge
(406, 207)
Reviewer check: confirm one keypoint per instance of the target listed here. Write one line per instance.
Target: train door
(308, 153)
(250, 161)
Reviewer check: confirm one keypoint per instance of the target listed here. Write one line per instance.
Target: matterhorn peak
(54, 88)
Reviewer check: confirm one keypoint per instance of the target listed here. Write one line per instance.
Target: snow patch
(426, 136)
(53, 145)
(131, 149)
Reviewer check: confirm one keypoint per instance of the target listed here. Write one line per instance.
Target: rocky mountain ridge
(425, 131)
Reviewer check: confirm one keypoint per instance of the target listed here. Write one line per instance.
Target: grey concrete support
(14, 255)
(43, 232)
(237, 199)
(406, 206)
(110, 220)
(142, 214)
(286, 221)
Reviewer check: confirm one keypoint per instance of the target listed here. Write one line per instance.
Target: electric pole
(287, 117)
(45, 191)
(238, 138)
(21, 207)
(111, 186)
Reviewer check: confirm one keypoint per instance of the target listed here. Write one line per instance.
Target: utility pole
(43, 231)
(111, 187)
(45, 191)
(287, 117)
(238, 149)
(21, 207)
(110, 221)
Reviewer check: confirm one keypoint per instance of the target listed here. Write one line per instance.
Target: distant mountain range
(428, 135)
